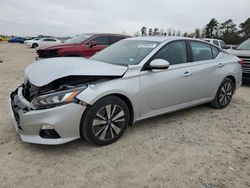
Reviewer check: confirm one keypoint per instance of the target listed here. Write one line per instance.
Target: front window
(78, 39)
(244, 46)
(126, 52)
(174, 52)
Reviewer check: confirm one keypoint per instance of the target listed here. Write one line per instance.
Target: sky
(72, 17)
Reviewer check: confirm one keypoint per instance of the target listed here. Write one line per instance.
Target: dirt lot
(199, 147)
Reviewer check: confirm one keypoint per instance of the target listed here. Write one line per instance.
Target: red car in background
(84, 45)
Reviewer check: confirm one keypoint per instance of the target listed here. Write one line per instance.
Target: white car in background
(216, 42)
(43, 42)
(29, 41)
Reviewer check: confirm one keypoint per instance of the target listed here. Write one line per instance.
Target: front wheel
(224, 94)
(35, 45)
(105, 121)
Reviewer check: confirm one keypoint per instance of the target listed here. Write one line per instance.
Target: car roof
(101, 34)
(160, 38)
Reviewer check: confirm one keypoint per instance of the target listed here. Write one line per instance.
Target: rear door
(47, 42)
(206, 70)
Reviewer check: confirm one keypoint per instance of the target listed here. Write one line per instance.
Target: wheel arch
(124, 98)
(231, 77)
(129, 104)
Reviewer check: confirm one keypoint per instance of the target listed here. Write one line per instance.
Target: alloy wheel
(226, 93)
(108, 122)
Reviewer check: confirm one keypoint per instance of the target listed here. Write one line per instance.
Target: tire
(35, 45)
(224, 94)
(105, 122)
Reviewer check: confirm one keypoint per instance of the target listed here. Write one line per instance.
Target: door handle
(187, 73)
(220, 65)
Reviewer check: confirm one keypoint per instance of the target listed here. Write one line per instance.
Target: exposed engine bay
(31, 91)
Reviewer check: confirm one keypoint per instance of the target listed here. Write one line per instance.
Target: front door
(166, 88)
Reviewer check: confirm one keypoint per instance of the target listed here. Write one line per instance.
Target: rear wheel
(105, 121)
(224, 94)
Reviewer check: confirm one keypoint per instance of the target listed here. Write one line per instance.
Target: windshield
(244, 45)
(126, 52)
(78, 39)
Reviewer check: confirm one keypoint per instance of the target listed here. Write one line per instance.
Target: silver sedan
(63, 99)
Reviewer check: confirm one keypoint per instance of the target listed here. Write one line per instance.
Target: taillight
(241, 62)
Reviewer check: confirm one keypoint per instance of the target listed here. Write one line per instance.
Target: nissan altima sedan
(63, 99)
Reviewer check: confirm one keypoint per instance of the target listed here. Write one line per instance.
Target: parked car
(243, 52)
(42, 42)
(4, 38)
(16, 40)
(231, 46)
(63, 99)
(31, 41)
(216, 42)
(84, 45)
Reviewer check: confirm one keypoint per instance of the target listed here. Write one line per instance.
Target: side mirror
(234, 47)
(92, 43)
(158, 64)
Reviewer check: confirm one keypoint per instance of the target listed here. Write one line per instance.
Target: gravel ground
(198, 147)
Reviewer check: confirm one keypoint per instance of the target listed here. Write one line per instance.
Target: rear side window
(174, 52)
(201, 51)
(49, 40)
(114, 39)
(102, 40)
(222, 44)
(215, 51)
(216, 43)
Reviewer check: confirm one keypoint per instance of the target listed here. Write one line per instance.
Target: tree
(156, 31)
(211, 28)
(228, 27)
(178, 33)
(161, 32)
(197, 33)
(169, 32)
(150, 32)
(245, 29)
(228, 32)
(143, 31)
(173, 32)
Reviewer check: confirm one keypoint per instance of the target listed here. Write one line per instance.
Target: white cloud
(63, 17)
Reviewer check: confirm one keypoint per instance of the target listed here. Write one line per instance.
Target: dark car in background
(84, 45)
(243, 52)
(17, 40)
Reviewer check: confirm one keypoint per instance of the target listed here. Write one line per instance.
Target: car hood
(59, 46)
(240, 53)
(45, 71)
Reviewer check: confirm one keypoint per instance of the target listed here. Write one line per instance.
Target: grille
(246, 65)
(244, 58)
(47, 54)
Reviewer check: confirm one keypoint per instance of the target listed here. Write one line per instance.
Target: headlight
(57, 98)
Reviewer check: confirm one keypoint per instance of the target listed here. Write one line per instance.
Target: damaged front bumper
(50, 126)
